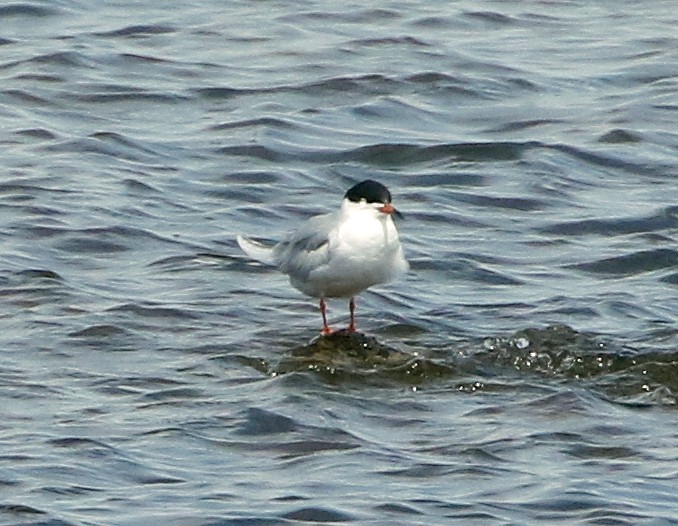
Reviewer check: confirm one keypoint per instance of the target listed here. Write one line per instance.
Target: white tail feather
(256, 250)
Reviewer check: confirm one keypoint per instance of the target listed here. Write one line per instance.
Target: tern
(342, 253)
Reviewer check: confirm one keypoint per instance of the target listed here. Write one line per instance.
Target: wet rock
(346, 349)
(344, 354)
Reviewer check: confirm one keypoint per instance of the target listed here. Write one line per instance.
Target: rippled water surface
(526, 369)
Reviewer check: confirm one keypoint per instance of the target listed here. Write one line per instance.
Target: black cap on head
(371, 191)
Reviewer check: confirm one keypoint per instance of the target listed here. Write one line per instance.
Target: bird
(341, 253)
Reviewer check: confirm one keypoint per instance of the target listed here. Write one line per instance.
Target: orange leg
(351, 306)
(323, 311)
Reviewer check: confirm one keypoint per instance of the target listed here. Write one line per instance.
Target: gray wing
(307, 248)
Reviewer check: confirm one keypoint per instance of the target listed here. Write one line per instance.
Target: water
(523, 372)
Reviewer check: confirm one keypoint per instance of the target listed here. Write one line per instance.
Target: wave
(345, 84)
(664, 219)
(110, 144)
(392, 153)
(96, 241)
(27, 10)
(138, 30)
(408, 153)
(630, 264)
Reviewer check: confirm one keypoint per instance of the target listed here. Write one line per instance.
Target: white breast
(363, 250)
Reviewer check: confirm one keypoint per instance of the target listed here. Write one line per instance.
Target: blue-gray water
(151, 375)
